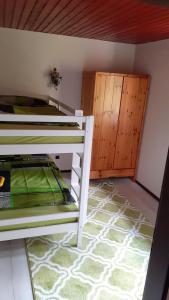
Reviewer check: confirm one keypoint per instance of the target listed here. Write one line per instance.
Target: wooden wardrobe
(118, 103)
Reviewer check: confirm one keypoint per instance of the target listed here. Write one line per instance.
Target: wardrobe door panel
(139, 120)
(100, 85)
(106, 111)
(130, 122)
(109, 126)
(88, 84)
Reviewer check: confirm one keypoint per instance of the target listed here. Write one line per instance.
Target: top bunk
(30, 125)
(46, 126)
(33, 104)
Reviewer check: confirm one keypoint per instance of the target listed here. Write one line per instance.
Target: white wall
(153, 58)
(26, 57)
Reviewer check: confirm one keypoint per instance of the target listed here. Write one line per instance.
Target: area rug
(113, 262)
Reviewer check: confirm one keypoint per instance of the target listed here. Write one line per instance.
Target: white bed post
(79, 113)
(74, 176)
(75, 161)
(85, 173)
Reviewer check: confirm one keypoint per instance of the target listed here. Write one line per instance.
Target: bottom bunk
(34, 199)
(38, 212)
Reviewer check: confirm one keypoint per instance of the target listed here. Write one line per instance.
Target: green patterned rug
(113, 262)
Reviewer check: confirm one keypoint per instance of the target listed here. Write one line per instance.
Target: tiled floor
(14, 276)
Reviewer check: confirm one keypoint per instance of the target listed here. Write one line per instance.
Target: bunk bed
(62, 130)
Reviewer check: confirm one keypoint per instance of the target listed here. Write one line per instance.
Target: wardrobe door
(88, 85)
(108, 89)
(131, 116)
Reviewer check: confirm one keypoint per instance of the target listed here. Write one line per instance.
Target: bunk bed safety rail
(49, 99)
(41, 118)
(13, 132)
(80, 171)
(42, 148)
(16, 221)
(64, 107)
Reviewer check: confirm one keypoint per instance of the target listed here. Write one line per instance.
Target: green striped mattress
(34, 187)
(8, 140)
(38, 110)
(37, 211)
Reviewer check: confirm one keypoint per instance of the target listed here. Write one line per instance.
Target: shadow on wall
(69, 91)
(116, 64)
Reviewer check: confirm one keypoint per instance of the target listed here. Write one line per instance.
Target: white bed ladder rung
(80, 155)
(78, 171)
(84, 183)
(76, 189)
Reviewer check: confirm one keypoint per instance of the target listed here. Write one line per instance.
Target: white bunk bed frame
(80, 167)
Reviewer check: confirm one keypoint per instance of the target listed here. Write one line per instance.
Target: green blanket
(39, 139)
(33, 182)
(37, 110)
(37, 211)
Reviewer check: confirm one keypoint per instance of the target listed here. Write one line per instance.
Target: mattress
(11, 100)
(37, 110)
(31, 181)
(19, 105)
(33, 186)
(30, 110)
(37, 211)
(8, 140)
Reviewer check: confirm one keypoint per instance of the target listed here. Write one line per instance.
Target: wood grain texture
(145, 95)
(48, 8)
(111, 173)
(26, 10)
(98, 107)
(88, 89)
(17, 13)
(106, 120)
(130, 122)
(118, 103)
(125, 21)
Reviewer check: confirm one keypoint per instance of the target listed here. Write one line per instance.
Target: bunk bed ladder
(84, 182)
(79, 176)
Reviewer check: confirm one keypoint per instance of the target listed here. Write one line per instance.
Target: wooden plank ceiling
(128, 21)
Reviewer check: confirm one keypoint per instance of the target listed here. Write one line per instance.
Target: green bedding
(27, 106)
(18, 140)
(37, 211)
(35, 180)
(11, 100)
(37, 110)
(35, 187)
(31, 182)
(9, 140)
